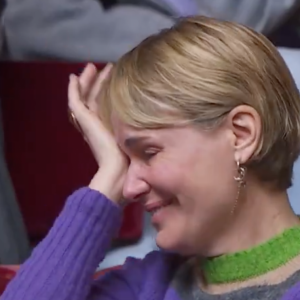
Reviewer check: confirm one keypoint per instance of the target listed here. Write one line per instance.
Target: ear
(245, 124)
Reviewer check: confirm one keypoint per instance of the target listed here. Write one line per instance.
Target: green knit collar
(251, 263)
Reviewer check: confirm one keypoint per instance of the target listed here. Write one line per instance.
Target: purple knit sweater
(62, 266)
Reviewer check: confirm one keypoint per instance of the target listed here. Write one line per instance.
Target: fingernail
(72, 76)
(81, 70)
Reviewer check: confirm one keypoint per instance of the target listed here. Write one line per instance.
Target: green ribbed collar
(251, 263)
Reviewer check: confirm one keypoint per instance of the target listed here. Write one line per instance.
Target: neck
(261, 213)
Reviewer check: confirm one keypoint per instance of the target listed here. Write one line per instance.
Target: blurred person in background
(84, 30)
(14, 244)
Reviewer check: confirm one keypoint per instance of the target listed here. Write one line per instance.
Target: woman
(201, 123)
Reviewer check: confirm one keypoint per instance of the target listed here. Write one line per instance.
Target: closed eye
(150, 153)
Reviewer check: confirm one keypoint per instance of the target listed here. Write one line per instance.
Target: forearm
(78, 30)
(51, 28)
(61, 267)
(262, 15)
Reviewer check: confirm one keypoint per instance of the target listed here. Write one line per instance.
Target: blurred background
(42, 158)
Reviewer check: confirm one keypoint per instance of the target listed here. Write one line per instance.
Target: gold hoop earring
(241, 182)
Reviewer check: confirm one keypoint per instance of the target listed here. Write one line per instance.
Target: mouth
(154, 208)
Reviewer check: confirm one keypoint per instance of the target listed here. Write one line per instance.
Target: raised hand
(83, 103)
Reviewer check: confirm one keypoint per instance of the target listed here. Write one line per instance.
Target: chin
(170, 243)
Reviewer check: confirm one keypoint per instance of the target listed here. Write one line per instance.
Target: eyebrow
(132, 141)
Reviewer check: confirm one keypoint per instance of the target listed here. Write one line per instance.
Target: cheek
(211, 176)
(214, 159)
(165, 174)
(200, 176)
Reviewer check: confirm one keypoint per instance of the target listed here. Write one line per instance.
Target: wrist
(108, 183)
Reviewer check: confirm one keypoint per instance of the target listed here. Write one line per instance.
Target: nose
(134, 186)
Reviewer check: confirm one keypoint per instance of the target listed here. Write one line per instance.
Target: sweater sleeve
(76, 30)
(262, 15)
(62, 265)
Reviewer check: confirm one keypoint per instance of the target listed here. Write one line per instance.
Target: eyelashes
(143, 153)
(149, 153)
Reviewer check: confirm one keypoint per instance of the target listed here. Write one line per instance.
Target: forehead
(125, 133)
(120, 129)
(129, 136)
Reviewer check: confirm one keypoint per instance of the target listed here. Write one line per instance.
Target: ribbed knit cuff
(67, 258)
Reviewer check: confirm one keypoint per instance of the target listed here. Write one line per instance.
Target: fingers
(87, 79)
(97, 85)
(88, 84)
(75, 103)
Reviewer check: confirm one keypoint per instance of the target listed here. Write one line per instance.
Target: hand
(83, 96)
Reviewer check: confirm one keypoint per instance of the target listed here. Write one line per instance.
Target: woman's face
(184, 177)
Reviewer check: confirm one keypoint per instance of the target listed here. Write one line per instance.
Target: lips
(156, 206)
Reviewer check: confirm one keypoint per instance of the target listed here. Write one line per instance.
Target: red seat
(46, 157)
(7, 273)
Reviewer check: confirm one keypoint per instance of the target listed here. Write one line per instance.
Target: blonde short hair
(198, 71)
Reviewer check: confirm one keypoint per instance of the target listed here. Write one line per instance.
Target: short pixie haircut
(199, 70)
